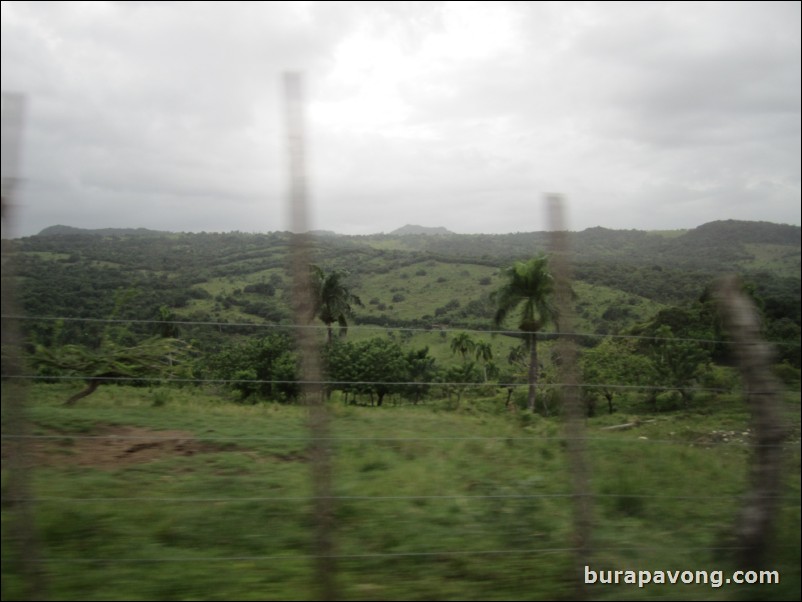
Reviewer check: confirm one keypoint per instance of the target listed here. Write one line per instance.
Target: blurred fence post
(311, 373)
(762, 391)
(568, 371)
(20, 544)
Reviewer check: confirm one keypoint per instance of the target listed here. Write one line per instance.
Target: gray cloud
(646, 115)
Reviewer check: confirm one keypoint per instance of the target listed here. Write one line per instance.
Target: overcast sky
(169, 115)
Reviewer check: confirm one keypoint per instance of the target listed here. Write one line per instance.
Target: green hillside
(412, 280)
(190, 472)
(419, 295)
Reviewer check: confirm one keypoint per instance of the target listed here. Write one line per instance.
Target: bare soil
(114, 446)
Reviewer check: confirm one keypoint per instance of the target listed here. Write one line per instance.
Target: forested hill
(721, 245)
(71, 231)
(717, 246)
(412, 229)
(622, 276)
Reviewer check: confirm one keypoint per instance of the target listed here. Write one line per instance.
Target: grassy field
(421, 288)
(180, 494)
(417, 292)
(771, 257)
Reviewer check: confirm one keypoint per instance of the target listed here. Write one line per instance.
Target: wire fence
(433, 383)
(374, 510)
(476, 497)
(547, 335)
(445, 438)
(378, 498)
(383, 555)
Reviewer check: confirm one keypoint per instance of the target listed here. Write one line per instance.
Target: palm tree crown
(530, 287)
(463, 344)
(332, 299)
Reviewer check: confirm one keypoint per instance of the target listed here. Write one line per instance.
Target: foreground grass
(431, 504)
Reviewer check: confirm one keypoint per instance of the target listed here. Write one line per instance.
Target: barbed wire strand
(431, 329)
(256, 381)
(350, 439)
(388, 554)
(384, 498)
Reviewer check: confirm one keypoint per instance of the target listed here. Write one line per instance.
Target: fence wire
(546, 335)
(385, 498)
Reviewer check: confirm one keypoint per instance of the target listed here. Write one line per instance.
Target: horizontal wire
(431, 329)
(372, 498)
(229, 381)
(335, 439)
(381, 555)
(252, 381)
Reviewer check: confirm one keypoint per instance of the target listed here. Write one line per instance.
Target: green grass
(781, 259)
(418, 290)
(425, 286)
(592, 301)
(47, 255)
(228, 284)
(461, 504)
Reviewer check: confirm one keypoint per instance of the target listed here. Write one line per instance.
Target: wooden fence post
(571, 396)
(762, 391)
(311, 373)
(23, 546)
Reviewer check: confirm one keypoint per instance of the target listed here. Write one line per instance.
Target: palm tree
(463, 344)
(529, 286)
(332, 299)
(484, 354)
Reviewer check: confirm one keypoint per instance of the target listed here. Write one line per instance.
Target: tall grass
(432, 504)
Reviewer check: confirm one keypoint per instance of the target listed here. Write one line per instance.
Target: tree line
(676, 351)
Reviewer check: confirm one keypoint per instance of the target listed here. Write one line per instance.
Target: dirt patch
(114, 446)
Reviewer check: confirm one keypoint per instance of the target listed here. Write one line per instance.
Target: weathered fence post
(570, 394)
(21, 543)
(762, 391)
(311, 373)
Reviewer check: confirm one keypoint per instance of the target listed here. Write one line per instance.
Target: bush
(787, 373)
(249, 367)
(721, 377)
(261, 289)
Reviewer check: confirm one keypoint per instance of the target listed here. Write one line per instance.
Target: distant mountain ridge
(747, 232)
(414, 229)
(723, 245)
(60, 230)
(732, 230)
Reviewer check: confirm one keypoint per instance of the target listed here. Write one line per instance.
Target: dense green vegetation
(627, 282)
(452, 489)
